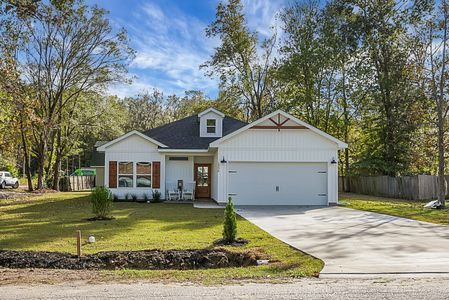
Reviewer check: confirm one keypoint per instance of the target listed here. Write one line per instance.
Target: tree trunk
(57, 167)
(48, 168)
(346, 184)
(442, 113)
(40, 173)
(441, 163)
(347, 187)
(41, 157)
(27, 157)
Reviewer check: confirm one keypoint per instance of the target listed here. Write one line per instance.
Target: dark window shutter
(156, 175)
(112, 174)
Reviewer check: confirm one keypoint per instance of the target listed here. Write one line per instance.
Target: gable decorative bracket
(278, 124)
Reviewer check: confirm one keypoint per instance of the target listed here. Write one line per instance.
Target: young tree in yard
(434, 39)
(68, 48)
(230, 223)
(244, 70)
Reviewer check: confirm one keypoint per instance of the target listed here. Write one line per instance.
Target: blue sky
(170, 43)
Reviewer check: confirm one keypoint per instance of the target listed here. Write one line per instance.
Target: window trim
(134, 174)
(211, 126)
(147, 174)
(118, 174)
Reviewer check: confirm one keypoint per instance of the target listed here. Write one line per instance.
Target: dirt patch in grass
(100, 219)
(44, 191)
(13, 195)
(139, 260)
(47, 276)
(236, 243)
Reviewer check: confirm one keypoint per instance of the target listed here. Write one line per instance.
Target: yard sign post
(78, 243)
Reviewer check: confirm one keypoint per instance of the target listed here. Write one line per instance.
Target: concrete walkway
(357, 242)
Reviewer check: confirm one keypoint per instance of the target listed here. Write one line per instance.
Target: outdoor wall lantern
(223, 161)
(333, 161)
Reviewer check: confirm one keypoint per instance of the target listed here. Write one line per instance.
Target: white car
(6, 179)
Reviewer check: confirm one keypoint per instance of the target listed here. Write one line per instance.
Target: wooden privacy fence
(77, 183)
(418, 187)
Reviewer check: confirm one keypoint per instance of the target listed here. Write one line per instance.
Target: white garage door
(255, 183)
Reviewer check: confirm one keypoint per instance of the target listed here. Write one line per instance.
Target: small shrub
(230, 223)
(126, 197)
(156, 197)
(134, 197)
(101, 200)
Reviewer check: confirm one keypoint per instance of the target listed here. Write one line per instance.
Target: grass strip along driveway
(49, 222)
(396, 207)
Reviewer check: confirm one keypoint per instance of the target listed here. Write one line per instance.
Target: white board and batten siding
(134, 149)
(178, 170)
(294, 156)
(218, 122)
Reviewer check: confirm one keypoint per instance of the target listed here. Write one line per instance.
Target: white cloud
(171, 45)
(262, 15)
(138, 86)
(153, 11)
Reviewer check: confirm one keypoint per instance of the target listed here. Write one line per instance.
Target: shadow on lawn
(45, 221)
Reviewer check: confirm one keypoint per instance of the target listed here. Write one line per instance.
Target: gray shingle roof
(185, 133)
(181, 134)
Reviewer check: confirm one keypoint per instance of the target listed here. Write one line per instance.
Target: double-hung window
(125, 174)
(211, 125)
(143, 174)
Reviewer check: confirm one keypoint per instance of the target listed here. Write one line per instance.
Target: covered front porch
(190, 177)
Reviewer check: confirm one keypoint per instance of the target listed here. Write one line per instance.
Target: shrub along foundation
(143, 260)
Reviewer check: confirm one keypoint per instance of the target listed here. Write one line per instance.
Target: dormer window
(211, 125)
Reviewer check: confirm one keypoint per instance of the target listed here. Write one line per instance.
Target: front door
(202, 179)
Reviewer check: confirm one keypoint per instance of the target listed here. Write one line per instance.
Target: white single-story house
(276, 160)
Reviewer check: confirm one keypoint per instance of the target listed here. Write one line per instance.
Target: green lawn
(48, 223)
(396, 207)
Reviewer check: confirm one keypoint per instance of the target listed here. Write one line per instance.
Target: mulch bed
(237, 242)
(143, 260)
(100, 219)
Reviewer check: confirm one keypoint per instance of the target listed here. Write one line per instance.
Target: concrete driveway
(356, 242)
